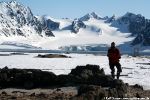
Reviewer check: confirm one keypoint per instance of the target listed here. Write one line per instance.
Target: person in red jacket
(114, 56)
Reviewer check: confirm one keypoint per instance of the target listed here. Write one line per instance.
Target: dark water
(67, 52)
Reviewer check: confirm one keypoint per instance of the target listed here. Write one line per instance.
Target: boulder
(90, 74)
(90, 92)
(138, 87)
(52, 56)
(120, 87)
(90, 81)
(89, 70)
(26, 78)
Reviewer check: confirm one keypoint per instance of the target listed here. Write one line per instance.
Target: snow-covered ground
(137, 68)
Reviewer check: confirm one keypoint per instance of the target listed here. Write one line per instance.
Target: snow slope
(88, 37)
(67, 38)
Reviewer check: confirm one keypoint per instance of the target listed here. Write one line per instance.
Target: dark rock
(53, 56)
(42, 95)
(32, 95)
(90, 92)
(137, 40)
(90, 80)
(4, 93)
(102, 80)
(63, 80)
(18, 53)
(90, 74)
(76, 25)
(138, 87)
(89, 16)
(86, 88)
(146, 41)
(88, 69)
(28, 85)
(19, 32)
(5, 68)
(112, 92)
(48, 32)
(138, 95)
(12, 98)
(26, 78)
(58, 89)
(31, 78)
(52, 25)
(120, 87)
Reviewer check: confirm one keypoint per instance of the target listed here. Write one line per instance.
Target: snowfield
(63, 37)
(137, 68)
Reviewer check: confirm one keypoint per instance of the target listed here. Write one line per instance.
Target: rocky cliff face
(138, 25)
(89, 16)
(143, 37)
(76, 25)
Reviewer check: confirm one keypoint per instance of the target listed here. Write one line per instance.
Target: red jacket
(113, 55)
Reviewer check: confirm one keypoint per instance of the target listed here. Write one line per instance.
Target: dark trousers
(119, 69)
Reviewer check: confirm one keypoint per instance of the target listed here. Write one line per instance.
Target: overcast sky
(77, 8)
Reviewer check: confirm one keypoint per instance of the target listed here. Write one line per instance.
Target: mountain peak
(17, 19)
(132, 15)
(94, 14)
(128, 14)
(13, 2)
(89, 16)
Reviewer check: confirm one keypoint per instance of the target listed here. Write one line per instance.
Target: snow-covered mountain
(138, 25)
(89, 16)
(18, 20)
(90, 32)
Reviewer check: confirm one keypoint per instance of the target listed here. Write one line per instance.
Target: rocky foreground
(82, 83)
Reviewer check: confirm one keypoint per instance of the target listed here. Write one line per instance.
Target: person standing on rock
(114, 56)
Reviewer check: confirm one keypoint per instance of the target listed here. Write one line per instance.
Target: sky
(77, 8)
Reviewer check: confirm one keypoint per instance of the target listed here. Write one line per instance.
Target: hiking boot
(118, 75)
(113, 75)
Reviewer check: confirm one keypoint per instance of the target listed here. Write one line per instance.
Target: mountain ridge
(18, 20)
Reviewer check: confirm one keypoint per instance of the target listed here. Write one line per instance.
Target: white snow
(86, 36)
(136, 68)
(64, 36)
